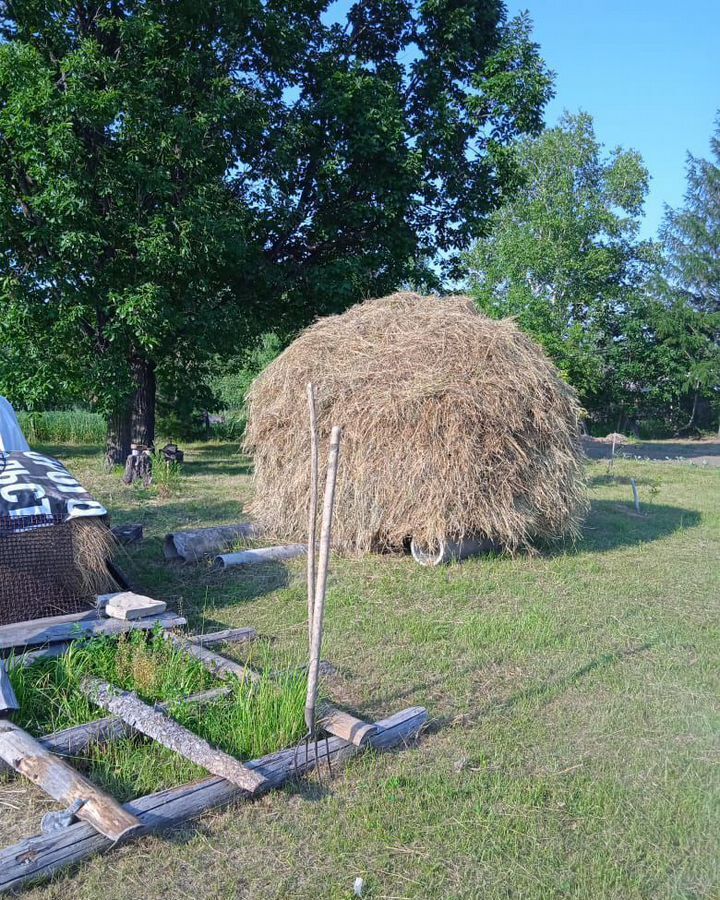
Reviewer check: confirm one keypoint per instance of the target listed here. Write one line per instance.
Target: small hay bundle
(454, 425)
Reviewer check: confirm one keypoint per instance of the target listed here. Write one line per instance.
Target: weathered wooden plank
(157, 725)
(43, 855)
(213, 662)
(58, 779)
(344, 725)
(8, 700)
(227, 636)
(33, 656)
(75, 741)
(65, 628)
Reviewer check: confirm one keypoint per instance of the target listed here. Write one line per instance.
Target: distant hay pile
(454, 425)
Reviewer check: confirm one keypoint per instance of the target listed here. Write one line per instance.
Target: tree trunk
(118, 437)
(143, 408)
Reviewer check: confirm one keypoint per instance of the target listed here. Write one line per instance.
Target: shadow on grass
(612, 525)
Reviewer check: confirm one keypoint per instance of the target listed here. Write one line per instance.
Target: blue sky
(648, 71)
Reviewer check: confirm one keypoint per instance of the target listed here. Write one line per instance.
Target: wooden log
(75, 741)
(228, 636)
(344, 725)
(66, 628)
(219, 666)
(58, 779)
(157, 725)
(260, 556)
(42, 855)
(193, 545)
(8, 700)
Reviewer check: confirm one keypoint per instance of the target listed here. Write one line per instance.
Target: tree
(179, 177)
(691, 286)
(562, 253)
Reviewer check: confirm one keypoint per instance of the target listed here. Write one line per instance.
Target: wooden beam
(66, 628)
(8, 700)
(42, 855)
(344, 725)
(58, 779)
(219, 666)
(75, 741)
(33, 656)
(228, 636)
(157, 725)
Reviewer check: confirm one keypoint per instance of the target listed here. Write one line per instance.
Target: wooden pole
(321, 583)
(166, 731)
(58, 779)
(312, 509)
(42, 855)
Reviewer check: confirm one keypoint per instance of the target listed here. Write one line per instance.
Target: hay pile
(453, 425)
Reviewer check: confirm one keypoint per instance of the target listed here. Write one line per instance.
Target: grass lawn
(573, 747)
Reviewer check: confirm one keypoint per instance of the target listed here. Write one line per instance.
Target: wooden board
(157, 725)
(43, 855)
(65, 628)
(228, 636)
(8, 700)
(61, 782)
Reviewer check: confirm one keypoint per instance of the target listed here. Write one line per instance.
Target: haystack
(454, 425)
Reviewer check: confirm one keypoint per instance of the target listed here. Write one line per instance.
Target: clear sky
(648, 71)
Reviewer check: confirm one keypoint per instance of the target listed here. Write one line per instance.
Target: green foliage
(690, 290)
(177, 179)
(562, 252)
(63, 427)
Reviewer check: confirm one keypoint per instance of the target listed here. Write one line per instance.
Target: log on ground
(43, 855)
(61, 782)
(193, 545)
(76, 741)
(156, 724)
(219, 665)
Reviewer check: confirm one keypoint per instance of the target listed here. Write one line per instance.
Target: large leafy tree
(563, 254)
(176, 175)
(691, 288)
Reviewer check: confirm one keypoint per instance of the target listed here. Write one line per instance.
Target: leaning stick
(312, 509)
(321, 583)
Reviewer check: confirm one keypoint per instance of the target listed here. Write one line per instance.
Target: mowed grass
(573, 745)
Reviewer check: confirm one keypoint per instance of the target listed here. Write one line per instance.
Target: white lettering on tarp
(47, 461)
(66, 483)
(78, 508)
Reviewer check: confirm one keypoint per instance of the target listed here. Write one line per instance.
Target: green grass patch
(253, 720)
(63, 426)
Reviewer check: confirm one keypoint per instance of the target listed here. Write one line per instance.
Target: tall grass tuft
(63, 427)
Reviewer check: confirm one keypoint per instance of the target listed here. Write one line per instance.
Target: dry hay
(454, 424)
(93, 547)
